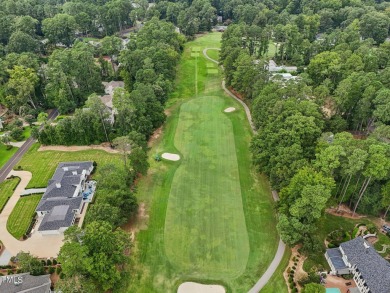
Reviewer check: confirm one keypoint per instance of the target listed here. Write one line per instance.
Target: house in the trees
(109, 88)
(63, 201)
(370, 271)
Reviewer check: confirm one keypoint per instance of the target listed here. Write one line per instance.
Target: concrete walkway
(33, 191)
(38, 245)
(281, 247)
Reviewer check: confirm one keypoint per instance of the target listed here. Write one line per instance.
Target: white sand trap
(191, 287)
(230, 109)
(171, 157)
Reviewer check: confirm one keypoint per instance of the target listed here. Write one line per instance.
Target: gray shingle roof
(29, 284)
(60, 195)
(374, 269)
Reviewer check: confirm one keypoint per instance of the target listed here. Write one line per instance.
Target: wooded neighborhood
(165, 146)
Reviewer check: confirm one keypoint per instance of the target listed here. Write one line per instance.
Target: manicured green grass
(21, 216)
(43, 164)
(277, 282)
(5, 154)
(214, 54)
(27, 132)
(211, 216)
(205, 226)
(6, 190)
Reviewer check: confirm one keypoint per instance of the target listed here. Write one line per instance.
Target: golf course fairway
(209, 216)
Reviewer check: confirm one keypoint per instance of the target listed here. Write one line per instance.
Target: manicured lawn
(43, 164)
(21, 216)
(213, 54)
(27, 132)
(211, 217)
(5, 154)
(7, 189)
(277, 282)
(205, 223)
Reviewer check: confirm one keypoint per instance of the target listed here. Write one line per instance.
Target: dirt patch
(170, 157)
(191, 287)
(230, 109)
(156, 134)
(63, 148)
(344, 211)
(139, 222)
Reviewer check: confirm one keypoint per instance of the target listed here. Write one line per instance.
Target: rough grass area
(7, 188)
(277, 282)
(5, 154)
(271, 49)
(211, 216)
(21, 216)
(42, 165)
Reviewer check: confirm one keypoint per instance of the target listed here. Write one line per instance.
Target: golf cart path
(246, 108)
(281, 246)
(38, 245)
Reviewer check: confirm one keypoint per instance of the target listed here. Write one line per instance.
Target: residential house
(273, 67)
(109, 88)
(25, 283)
(63, 200)
(370, 271)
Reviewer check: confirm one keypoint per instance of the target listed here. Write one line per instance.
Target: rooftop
(61, 199)
(374, 269)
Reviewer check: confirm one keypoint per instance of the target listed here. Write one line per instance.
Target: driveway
(5, 171)
(37, 245)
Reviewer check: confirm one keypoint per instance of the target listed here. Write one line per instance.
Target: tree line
(323, 137)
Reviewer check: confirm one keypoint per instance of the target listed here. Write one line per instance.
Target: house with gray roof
(25, 283)
(371, 272)
(63, 200)
(109, 88)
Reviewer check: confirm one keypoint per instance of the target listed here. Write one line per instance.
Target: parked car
(386, 228)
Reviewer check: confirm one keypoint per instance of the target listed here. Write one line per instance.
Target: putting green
(205, 231)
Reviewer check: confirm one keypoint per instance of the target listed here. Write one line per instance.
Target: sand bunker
(230, 109)
(171, 157)
(191, 287)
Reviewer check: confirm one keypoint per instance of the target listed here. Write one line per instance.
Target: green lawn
(21, 216)
(7, 189)
(277, 282)
(205, 223)
(211, 216)
(43, 164)
(5, 154)
(26, 132)
(214, 54)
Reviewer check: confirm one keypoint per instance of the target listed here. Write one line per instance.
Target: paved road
(21, 151)
(281, 247)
